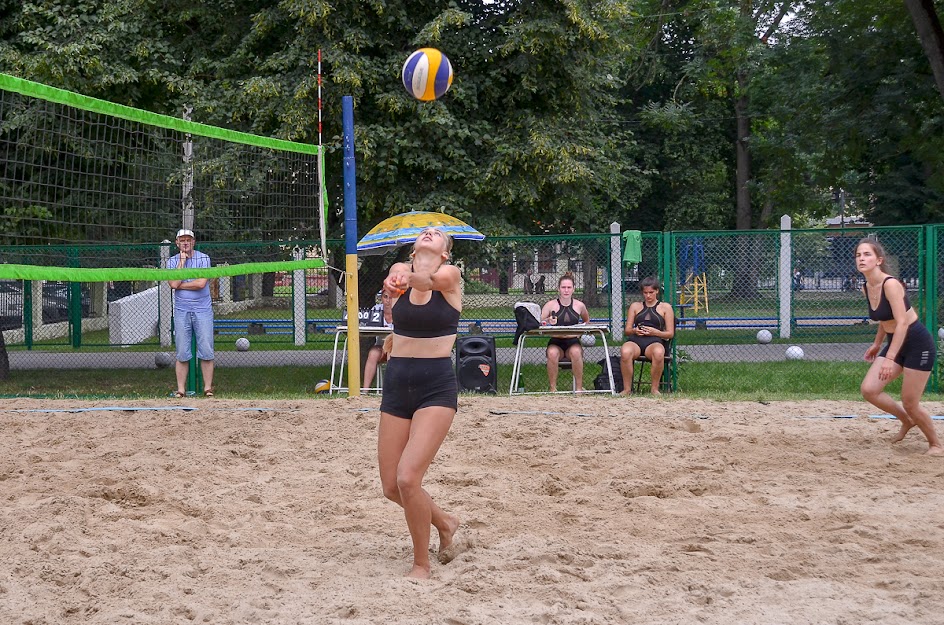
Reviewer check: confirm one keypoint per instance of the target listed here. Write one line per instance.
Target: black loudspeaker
(476, 366)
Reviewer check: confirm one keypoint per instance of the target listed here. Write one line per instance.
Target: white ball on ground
(242, 344)
(940, 333)
(794, 352)
(163, 360)
(588, 340)
(764, 336)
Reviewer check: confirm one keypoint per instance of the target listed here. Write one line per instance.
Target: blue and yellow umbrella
(404, 228)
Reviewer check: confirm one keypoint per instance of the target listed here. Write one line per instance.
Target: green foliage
(565, 115)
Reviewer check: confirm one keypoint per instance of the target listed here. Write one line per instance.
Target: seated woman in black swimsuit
(650, 325)
(564, 311)
(909, 352)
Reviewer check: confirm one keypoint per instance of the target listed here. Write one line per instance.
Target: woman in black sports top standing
(564, 311)
(909, 352)
(420, 394)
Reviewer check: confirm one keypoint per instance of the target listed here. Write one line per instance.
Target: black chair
(565, 363)
(639, 365)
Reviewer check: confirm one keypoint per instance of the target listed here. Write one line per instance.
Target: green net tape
(121, 274)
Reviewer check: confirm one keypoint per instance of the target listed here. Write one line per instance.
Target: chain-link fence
(738, 296)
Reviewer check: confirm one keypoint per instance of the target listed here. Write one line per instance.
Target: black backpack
(525, 319)
(602, 382)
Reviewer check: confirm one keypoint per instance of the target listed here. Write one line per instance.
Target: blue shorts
(185, 326)
(414, 383)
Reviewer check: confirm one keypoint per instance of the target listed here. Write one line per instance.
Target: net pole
(186, 220)
(350, 249)
(322, 220)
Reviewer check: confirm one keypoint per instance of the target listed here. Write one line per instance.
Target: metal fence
(742, 296)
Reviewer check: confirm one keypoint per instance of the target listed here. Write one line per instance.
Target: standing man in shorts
(193, 314)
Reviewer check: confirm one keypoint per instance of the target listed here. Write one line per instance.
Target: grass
(796, 381)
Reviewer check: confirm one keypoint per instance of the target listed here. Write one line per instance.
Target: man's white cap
(183, 232)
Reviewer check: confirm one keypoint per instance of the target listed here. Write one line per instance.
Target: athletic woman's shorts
(643, 342)
(917, 351)
(410, 384)
(563, 344)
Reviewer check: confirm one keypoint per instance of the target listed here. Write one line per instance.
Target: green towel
(632, 246)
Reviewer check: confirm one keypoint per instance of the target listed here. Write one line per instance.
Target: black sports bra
(435, 318)
(566, 315)
(884, 310)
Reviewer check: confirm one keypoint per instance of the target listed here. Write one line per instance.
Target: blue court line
(829, 416)
(108, 408)
(138, 409)
(888, 416)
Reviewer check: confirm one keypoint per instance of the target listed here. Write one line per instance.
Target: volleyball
(940, 333)
(794, 352)
(427, 74)
(322, 386)
(162, 360)
(588, 340)
(242, 344)
(764, 336)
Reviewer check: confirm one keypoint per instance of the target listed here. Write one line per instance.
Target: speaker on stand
(476, 365)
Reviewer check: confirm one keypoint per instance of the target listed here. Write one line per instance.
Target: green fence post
(28, 313)
(927, 278)
(668, 271)
(75, 302)
(75, 313)
(194, 371)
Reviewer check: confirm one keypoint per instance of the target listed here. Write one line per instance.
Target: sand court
(587, 510)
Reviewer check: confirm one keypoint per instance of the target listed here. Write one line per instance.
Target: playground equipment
(693, 288)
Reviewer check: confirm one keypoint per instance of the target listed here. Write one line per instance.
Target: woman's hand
(887, 369)
(396, 283)
(871, 353)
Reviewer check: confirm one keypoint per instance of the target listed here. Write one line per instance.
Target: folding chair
(639, 364)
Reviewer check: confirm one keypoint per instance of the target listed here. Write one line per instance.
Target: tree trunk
(268, 284)
(745, 284)
(743, 153)
(4, 359)
(591, 295)
(928, 26)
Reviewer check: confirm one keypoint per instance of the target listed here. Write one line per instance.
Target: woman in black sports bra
(564, 311)
(650, 325)
(420, 394)
(909, 352)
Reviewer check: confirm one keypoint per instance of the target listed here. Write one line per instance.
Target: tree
(928, 26)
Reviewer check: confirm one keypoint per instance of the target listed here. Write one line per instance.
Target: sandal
(208, 392)
(177, 394)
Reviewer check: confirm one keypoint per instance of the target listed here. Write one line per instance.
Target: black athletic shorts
(410, 384)
(564, 344)
(918, 351)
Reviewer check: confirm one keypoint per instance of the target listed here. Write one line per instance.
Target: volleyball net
(92, 194)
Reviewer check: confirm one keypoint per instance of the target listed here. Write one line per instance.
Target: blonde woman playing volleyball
(420, 394)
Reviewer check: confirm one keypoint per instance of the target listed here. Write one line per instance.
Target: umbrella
(404, 228)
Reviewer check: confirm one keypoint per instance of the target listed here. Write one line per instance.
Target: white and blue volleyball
(427, 74)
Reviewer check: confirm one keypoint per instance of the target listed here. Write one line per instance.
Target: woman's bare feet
(905, 426)
(626, 392)
(446, 536)
(935, 450)
(419, 572)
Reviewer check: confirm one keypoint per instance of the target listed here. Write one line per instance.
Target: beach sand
(575, 510)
